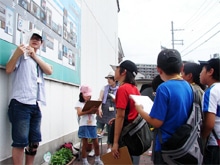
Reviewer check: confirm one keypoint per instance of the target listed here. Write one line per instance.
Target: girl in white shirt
(87, 125)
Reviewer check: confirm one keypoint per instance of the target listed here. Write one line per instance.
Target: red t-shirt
(122, 98)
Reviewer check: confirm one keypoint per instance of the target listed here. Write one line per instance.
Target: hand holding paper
(145, 101)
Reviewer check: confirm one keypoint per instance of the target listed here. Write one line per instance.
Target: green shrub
(61, 157)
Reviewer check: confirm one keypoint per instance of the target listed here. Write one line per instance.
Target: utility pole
(178, 42)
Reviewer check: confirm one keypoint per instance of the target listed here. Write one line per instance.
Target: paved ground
(145, 159)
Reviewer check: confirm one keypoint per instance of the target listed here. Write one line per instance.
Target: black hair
(171, 69)
(215, 74)
(195, 69)
(38, 36)
(129, 78)
(81, 99)
(156, 82)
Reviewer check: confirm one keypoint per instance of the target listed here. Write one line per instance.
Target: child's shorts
(87, 132)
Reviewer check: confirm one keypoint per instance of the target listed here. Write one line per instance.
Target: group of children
(174, 98)
(171, 108)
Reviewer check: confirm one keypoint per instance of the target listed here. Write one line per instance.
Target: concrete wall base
(49, 147)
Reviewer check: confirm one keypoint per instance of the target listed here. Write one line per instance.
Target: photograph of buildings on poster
(59, 22)
(2, 16)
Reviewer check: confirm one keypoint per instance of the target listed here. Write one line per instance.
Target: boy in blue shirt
(173, 101)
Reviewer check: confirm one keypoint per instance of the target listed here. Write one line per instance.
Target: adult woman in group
(108, 110)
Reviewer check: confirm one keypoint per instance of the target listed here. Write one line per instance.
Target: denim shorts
(89, 132)
(26, 123)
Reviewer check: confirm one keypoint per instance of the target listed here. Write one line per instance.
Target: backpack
(185, 145)
(137, 136)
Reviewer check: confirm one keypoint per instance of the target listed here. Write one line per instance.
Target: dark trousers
(211, 155)
(158, 159)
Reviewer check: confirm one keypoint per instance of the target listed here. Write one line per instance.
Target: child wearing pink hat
(87, 125)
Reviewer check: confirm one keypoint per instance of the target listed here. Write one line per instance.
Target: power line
(201, 43)
(200, 14)
(200, 37)
(194, 15)
(197, 23)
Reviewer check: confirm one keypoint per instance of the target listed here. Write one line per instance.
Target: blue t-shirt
(172, 105)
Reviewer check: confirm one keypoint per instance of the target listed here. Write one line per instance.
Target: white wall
(59, 116)
(99, 41)
(99, 49)
(5, 130)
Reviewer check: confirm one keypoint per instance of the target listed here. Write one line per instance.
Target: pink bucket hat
(86, 90)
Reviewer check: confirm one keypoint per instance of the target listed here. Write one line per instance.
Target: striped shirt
(24, 82)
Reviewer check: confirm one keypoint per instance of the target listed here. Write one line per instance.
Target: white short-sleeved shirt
(85, 118)
(211, 103)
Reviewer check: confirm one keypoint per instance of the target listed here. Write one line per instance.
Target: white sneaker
(77, 146)
(99, 162)
(108, 150)
(86, 163)
(92, 153)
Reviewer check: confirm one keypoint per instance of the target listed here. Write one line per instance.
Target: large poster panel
(58, 20)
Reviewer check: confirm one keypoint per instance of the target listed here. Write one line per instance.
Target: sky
(145, 25)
